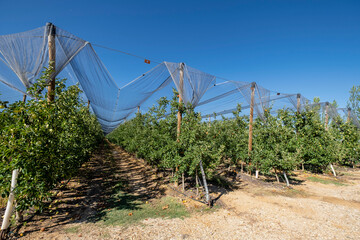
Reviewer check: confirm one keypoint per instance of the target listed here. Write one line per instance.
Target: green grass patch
(74, 229)
(133, 211)
(326, 181)
(126, 209)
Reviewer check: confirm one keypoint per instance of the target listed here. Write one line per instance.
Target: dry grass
(2, 202)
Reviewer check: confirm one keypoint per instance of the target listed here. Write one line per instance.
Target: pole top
(349, 109)
(253, 84)
(298, 95)
(50, 29)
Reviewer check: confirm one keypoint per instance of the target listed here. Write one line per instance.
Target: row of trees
(45, 141)
(281, 143)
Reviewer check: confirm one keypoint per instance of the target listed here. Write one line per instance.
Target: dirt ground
(329, 209)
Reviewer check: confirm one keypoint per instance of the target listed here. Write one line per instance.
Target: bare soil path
(329, 209)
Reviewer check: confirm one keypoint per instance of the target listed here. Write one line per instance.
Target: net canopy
(23, 57)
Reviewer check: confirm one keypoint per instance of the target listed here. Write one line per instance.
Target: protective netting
(23, 57)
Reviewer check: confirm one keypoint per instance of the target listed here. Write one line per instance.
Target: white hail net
(23, 57)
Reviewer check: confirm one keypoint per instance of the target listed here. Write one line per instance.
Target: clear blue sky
(290, 46)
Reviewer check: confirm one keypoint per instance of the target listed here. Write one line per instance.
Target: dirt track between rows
(309, 210)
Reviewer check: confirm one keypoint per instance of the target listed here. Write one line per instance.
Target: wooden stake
(348, 116)
(52, 54)
(88, 104)
(251, 117)
(179, 114)
(24, 98)
(298, 97)
(138, 109)
(326, 115)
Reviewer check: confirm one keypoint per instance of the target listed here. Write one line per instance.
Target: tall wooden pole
(181, 88)
(298, 98)
(348, 115)
(326, 115)
(138, 109)
(179, 114)
(326, 128)
(251, 117)
(52, 54)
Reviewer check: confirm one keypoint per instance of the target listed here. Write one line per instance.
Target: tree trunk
(332, 169)
(286, 179)
(207, 196)
(197, 183)
(19, 217)
(183, 182)
(176, 183)
(277, 177)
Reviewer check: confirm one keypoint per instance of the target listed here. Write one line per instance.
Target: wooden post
(251, 117)
(138, 109)
(326, 128)
(298, 97)
(348, 116)
(24, 98)
(88, 104)
(181, 88)
(179, 114)
(52, 54)
(326, 115)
